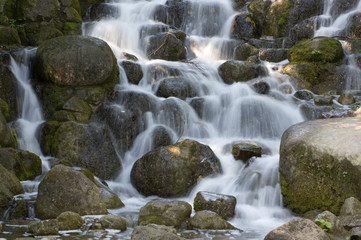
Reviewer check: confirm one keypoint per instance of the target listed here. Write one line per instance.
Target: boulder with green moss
(9, 36)
(320, 164)
(319, 49)
(244, 27)
(209, 220)
(8, 138)
(25, 165)
(173, 170)
(9, 186)
(76, 61)
(45, 227)
(4, 109)
(243, 51)
(84, 145)
(65, 189)
(165, 212)
(69, 220)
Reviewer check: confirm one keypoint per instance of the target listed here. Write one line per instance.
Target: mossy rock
(69, 220)
(36, 34)
(76, 61)
(276, 19)
(9, 36)
(25, 165)
(79, 108)
(72, 28)
(8, 137)
(4, 108)
(319, 164)
(318, 77)
(72, 15)
(165, 212)
(209, 220)
(319, 49)
(60, 191)
(9, 186)
(113, 222)
(173, 170)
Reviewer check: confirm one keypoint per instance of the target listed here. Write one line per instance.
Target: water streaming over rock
(209, 111)
(229, 113)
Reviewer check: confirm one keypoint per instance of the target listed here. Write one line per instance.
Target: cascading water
(27, 125)
(230, 112)
(331, 26)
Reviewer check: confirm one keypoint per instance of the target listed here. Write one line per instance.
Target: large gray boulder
(169, 213)
(173, 170)
(84, 145)
(320, 164)
(25, 165)
(65, 189)
(76, 61)
(297, 229)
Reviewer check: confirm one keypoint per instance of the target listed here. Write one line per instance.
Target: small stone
(346, 99)
(209, 220)
(113, 222)
(45, 227)
(304, 95)
(246, 150)
(69, 220)
(322, 100)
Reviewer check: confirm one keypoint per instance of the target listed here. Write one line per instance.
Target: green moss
(4, 108)
(15, 139)
(321, 49)
(72, 28)
(322, 185)
(283, 19)
(88, 174)
(51, 140)
(9, 36)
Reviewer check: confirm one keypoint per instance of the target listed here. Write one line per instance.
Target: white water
(31, 117)
(332, 26)
(230, 113)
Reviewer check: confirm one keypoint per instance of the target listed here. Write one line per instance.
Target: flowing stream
(230, 113)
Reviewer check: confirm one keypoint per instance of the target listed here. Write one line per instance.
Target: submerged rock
(166, 46)
(297, 229)
(237, 71)
(163, 212)
(209, 220)
(133, 71)
(223, 205)
(176, 87)
(320, 164)
(246, 150)
(173, 170)
(76, 61)
(65, 189)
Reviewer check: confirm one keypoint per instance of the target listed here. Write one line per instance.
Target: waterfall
(331, 26)
(231, 112)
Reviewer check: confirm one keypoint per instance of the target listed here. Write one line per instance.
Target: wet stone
(323, 100)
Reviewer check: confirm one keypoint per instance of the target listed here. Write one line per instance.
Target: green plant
(316, 52)
(12, 22)
(323, 224)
